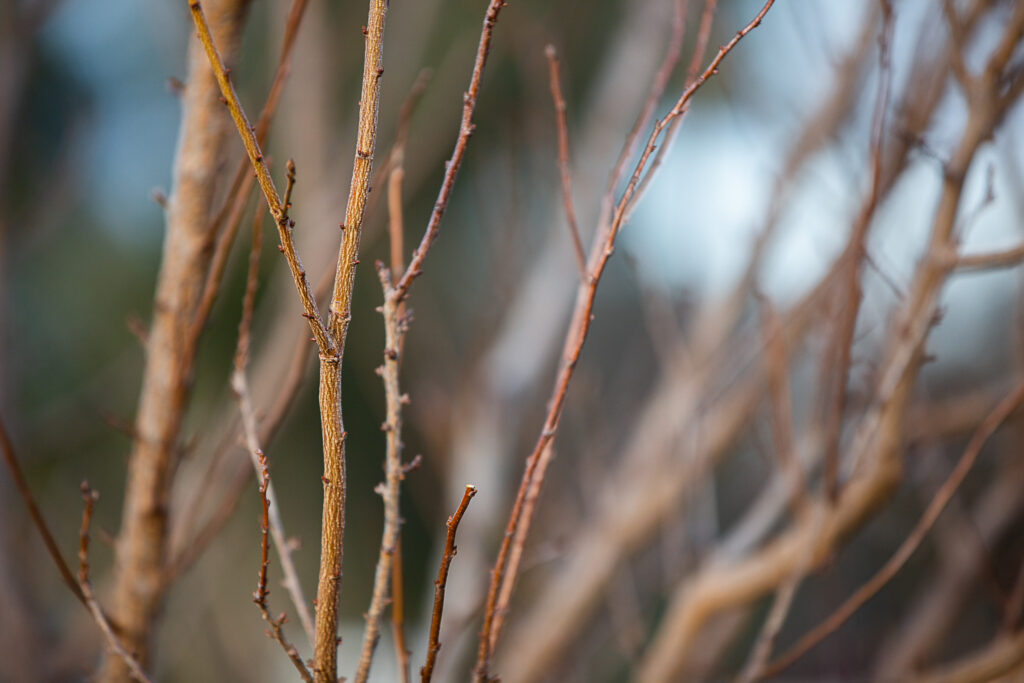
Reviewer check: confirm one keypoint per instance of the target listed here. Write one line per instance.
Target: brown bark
(141, 545)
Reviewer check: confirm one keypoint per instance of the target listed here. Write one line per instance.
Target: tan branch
(139, 584)
(913, 540)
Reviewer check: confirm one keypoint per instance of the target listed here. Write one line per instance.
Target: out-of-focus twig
(563, 158)
(141, 557)
(850, 294)
(506, 564)
(11, 459)
(913, 540)
(1001, 657)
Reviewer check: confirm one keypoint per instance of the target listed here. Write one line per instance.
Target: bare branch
(113, 642)
(563, 159)
(434, 646)
(260, 596)
(601, 251)
(455, 162)
(278, 209)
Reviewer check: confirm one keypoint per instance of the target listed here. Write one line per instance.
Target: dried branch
(330, 338)
(113, 642)
(240, 387)
(260, 595)
(873, 453)
(668, 65)
(242, 182)
(455, 162)
(20, 483)
(856, 252)
(601, 250)
(397, 581)
(911, 543)
(1009, 258)
(340, 310)
(781, 398)
(394, 330)
(1003, 656)
(277, 208)
(563, 159)
(434, 646)
(140, 563)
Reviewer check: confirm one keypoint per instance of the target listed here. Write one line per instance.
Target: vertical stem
(325, 653)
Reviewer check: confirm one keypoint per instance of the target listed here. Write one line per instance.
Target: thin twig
(563, 159)
(762, 648)
(452, 166)
(668, 65)
(396, 238)
(856, 252)
(434, 645)
(90, 497)
(260, 595)
(240, 386)
(781, 399)
(911, 543)
(277, 208)
(393, 333)
(707, 20)
(601, 251)
(36, 514)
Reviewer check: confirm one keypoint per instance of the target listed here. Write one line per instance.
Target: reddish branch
(434, 644)
(276, 630)
(90, 497)
(506, 565)
(707, 19)
(240, 386)
(7, 446)
(563, 159)
(452, 166)
(665, 71)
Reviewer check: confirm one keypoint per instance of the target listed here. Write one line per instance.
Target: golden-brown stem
(325, 653)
